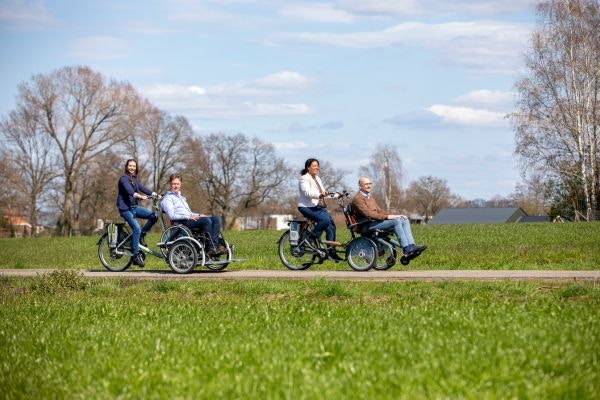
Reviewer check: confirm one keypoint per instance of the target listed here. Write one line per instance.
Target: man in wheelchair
(175, 205)
(365, 206)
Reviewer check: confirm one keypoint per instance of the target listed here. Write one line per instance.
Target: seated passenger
(175, 205)
(365, 206)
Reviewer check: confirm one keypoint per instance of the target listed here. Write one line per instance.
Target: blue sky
(325, 79)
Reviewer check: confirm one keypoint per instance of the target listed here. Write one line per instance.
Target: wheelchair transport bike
(182, 249)
(298, 249)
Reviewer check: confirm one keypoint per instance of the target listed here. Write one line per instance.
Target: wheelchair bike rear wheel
(109, 257)
(361, 254)
(220, 262)
(182, 257)
(295, 257)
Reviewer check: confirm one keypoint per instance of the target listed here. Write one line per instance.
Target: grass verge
(64, 336)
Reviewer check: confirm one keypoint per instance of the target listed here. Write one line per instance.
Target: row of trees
(557, 118)
(64, 144)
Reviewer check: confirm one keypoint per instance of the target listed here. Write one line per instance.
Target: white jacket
(309, 191)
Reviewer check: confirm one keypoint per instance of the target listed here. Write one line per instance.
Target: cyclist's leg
(150, 216)
(322, 220)
(135, 229)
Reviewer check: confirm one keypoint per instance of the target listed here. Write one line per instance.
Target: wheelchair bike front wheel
(295, 257)
(386, 257)
(109, 257)
(182, 257)
(361, 254)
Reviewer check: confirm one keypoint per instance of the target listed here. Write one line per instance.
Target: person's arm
(145, 190)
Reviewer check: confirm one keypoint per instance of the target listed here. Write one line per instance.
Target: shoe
(332, 255)
(419, 249)
(142, 241)
(212, 252)
(137, 260)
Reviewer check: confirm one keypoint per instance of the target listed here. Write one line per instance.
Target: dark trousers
(211, 225)
(323, 220)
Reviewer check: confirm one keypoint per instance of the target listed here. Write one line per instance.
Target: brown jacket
(367, 208)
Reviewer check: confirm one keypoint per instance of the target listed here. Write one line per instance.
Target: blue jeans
(130, 216)
(400, 226)
(211, 224)
(323, 220)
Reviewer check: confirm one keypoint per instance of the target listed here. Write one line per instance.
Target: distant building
(481, 215)
(273, 221)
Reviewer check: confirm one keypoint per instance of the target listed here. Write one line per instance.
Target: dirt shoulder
(373, 275)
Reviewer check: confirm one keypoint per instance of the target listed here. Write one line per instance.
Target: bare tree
(558, 115)
(334, 178)
(32, 158)
(161, 144)
(238, 174)
(84, 115)
(385, 170)
(429, 195)
(532, 195)
(267, 173)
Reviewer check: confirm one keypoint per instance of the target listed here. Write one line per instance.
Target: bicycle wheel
(386, 256)
(109, 257)
(219, 261)
(361, 254)
(295, 257)
(170, 234)
(182, 257)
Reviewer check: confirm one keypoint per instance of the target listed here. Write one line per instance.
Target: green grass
(65, 336)
(570, 246)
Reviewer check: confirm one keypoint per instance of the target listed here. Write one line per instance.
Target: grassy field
(63, 336)
(567, 246)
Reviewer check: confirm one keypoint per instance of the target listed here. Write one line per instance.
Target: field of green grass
(569, 246)
(68, 337)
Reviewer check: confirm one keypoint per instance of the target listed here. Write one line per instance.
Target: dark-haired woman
(127, 202)
(312, 205)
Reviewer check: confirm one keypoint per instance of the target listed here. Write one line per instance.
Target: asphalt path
(372, 275)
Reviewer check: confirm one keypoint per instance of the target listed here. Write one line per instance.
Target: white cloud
(410, 8)
(466, 116)
(25, 14)
(98, 48)
(232, 101)
(492, 45)
(317, 12)
(490, 99)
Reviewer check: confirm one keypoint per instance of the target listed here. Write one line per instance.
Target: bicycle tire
(108, 257)
(295, 257)
(361, 254)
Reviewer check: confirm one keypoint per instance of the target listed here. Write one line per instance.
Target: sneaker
(142, 241)
(137, 260)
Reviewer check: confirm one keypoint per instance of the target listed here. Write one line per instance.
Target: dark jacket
(125, 197)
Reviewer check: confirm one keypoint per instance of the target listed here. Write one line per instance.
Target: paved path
(373, 275)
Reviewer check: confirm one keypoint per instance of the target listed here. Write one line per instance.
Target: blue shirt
(126, 190)
(176, 207)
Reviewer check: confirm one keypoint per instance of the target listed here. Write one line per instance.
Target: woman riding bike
(127, 202)
(311, 204)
